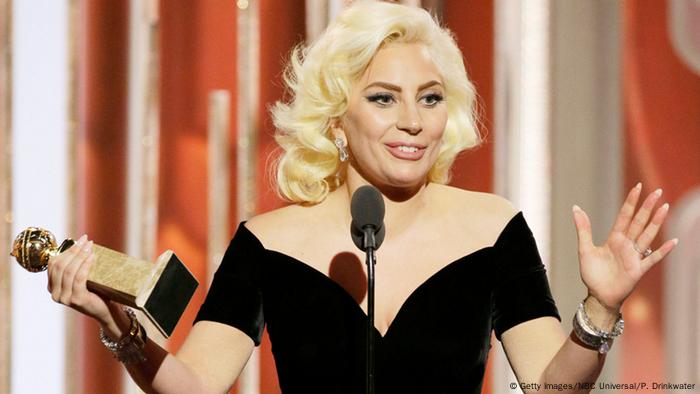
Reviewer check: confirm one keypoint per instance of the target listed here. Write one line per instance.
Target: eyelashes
(386, 99)
(433, 99)
(381, 98)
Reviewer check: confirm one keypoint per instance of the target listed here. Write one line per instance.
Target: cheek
(435, 123)
(368, 124)
(376, 121)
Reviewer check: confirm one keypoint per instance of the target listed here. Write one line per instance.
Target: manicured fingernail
(675, 241)
(665, 207)
(576, 208)
(638, 186)
(658, 192)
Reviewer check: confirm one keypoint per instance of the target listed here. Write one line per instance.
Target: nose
(409, 120)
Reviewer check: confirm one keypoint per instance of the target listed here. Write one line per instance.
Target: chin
(397, 175)
(408, 181)
(410, 174)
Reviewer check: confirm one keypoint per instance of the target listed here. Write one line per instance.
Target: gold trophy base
(161, 290)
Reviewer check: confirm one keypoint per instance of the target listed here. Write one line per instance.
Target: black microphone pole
(370, 260)
(367, 231)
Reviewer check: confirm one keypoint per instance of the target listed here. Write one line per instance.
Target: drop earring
(342, 151)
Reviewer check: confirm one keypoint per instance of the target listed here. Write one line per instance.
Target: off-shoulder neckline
(518, 217)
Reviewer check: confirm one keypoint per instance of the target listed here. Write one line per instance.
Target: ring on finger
(645, 253)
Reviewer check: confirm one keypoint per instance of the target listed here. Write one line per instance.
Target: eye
(383, 99)
(432, 99)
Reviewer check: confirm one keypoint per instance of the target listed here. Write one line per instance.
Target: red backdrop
(101, 156)
(662, 133)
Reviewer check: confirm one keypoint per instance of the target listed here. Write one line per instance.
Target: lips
(406, 150)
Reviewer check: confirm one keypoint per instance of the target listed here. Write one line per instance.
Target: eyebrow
(396, 88)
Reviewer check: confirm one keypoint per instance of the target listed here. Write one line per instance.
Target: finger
(70, 271)
(658, 254)
(583, 230)
(68, 254)
(652, 229)
(72, 250)
(57, 267)
(641, 219)
(627, 210)
(81, 277)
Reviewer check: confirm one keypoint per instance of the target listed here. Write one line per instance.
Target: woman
(382, 98)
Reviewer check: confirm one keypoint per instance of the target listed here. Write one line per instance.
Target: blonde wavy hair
(319, 78)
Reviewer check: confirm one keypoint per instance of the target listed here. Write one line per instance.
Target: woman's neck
(403, 207)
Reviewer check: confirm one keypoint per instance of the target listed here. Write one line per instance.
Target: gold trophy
(161, 290)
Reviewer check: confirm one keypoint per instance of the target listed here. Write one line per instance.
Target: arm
(209, 361)
(538, 350)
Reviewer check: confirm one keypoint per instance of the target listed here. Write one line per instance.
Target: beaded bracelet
(129, 349)
(592, 336)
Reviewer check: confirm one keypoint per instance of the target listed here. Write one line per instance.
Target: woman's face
(396, 117)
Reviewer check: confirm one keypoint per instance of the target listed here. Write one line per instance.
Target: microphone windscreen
(367, 207)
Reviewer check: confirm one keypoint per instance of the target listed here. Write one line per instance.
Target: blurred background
(144, 123)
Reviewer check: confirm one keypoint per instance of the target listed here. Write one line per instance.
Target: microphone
(367, 232)
(367, 210)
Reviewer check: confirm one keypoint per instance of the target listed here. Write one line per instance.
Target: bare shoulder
(467, 201)
(282, 227)
(270, 225)
(476, 212)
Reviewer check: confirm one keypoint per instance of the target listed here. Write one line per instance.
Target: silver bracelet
(591, 335)
(129, 349)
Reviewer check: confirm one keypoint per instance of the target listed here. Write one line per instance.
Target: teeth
(408, 149)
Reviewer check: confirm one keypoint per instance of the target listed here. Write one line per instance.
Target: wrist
(116, 323)
(601, 315)
(597, 335)
(129, 347)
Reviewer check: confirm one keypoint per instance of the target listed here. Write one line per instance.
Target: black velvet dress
(437, 343)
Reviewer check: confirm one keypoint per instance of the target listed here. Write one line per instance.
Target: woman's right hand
(68, 274)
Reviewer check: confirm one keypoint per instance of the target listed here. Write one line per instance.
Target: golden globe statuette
(161, 290)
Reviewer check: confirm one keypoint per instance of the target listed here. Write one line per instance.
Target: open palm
(611, 271)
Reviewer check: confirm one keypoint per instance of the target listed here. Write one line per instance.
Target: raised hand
(611, 271)
(68, 273)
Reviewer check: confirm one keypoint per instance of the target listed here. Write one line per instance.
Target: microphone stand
(370, 259)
